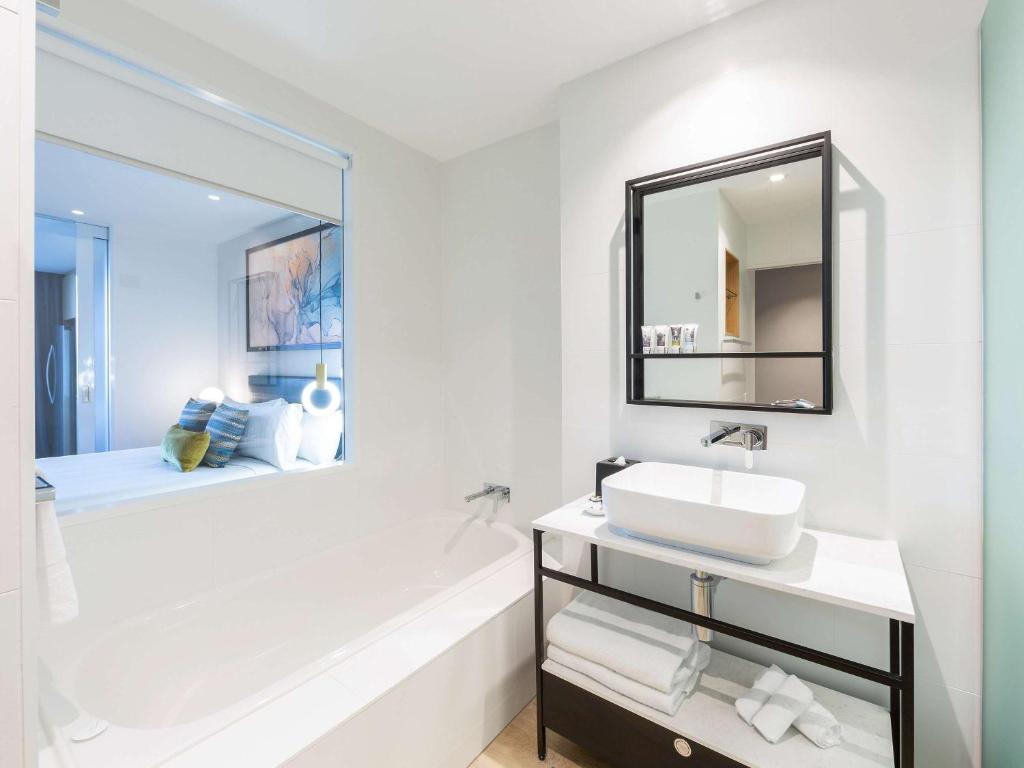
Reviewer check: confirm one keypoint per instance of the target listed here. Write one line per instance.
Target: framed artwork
(292, 295)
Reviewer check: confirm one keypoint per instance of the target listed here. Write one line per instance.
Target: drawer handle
(683, 747)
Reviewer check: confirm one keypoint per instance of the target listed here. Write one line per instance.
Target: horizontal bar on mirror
(683, 355)
(725, 405)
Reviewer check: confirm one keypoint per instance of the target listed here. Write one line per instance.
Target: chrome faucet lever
(503, 492)
(718, 435)
(750, 437)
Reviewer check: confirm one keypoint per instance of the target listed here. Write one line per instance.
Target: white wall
(737, 376)
(163, 322)
(786, 243)
(17, 431)
(501, 331)
(897, 83)
(681, 243)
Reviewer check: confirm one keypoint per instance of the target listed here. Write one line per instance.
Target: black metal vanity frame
(630, 741)
(804, 148)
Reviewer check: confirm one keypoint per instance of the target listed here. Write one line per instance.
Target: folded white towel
(58, 598)
(785, 705)
(820, 726)
(751, 702)
(639, 644)
(644, 694)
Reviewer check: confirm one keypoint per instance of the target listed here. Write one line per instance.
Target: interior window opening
(185, 334)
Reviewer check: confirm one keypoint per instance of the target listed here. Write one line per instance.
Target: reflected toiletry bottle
(675, 339)
(690, 338)
(647, 338)
(660, 339)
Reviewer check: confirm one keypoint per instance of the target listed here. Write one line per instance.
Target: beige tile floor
(516, 747)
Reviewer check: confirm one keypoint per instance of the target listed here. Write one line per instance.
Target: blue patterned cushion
(226, 427)
(196, 414)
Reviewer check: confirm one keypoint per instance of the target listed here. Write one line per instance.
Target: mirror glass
(734, 265)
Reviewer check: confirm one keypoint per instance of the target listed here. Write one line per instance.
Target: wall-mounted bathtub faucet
(502, 492)
(750, 437)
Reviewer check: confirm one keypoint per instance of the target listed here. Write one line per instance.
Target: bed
(94, 479)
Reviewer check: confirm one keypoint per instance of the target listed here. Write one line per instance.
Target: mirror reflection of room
(734, 266)
(160, 299)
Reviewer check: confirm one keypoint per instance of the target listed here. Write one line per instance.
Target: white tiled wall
(16, 125)
(500, 327)
(10, 675)
(897, 83)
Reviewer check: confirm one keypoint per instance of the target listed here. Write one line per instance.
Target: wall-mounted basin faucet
(717, 435)
(501, 492)
(750, 437)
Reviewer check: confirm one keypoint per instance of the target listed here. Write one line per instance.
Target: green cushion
(183, 448)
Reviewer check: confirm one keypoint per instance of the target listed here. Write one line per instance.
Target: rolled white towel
(644, 694)
(58, 598)
(785, 705)
(766, 684)
(639, 644)
(820, 726)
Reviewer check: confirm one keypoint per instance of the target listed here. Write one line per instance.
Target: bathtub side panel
(445, 714)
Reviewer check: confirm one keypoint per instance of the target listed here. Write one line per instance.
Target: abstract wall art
(293, 294)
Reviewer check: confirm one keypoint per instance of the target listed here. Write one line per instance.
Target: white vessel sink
(753, 518)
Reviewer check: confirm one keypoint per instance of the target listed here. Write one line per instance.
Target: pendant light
(320, 382)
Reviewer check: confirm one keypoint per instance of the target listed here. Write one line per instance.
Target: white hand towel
(635, 642)
(786, 705)
(820, 726)
(644, 694)
(751, 702)
(58, 598)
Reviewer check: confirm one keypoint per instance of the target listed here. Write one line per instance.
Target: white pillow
(273, 432)
(320, 436)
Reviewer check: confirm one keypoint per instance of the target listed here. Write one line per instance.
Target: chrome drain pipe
(701, 590)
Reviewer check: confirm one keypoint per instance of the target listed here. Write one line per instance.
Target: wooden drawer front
(618, 736)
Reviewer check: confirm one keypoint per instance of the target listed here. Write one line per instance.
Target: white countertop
(863, 574)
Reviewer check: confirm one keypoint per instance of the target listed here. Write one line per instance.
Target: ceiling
(55, 245)
(110, 193)
(445, 76)
(758, 200)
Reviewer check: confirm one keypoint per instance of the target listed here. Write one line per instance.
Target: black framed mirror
(729, 282)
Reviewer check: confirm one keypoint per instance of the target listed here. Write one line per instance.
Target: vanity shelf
(860, 574)
(708, 722)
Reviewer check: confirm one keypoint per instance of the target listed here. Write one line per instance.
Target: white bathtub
(411, 646)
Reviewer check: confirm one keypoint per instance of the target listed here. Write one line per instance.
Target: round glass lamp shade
(320, 400)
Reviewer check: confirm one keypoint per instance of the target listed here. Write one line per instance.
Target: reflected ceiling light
(775, 178)
(214, 197)
(213, 395)
(76, 212)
